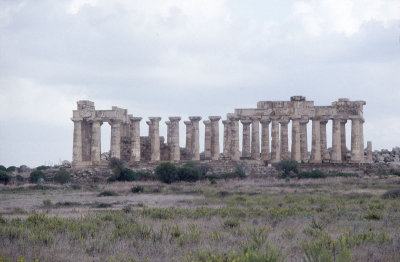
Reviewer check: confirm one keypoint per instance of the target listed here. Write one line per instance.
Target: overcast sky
(186, 57)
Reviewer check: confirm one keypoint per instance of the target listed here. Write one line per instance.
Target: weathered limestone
(343, 138)
(115, 144)
(275, 150)
(207, 139)
(265, 152)
(255, 138)
(316, 141)
(188, 125)
(77, 144)
(155, 138)
(175, 150)
(369, 152)
(195, 137)
(150, 128)
(284, 121)
(303, 139)
(168, 123)
(336, 156)
(356, 149)
(227, 139)
(234, 137)
(246, 139)
(361, 134)
(96, 141)
(135, 138)
(323, 142)
(214, 137)
(295, 153)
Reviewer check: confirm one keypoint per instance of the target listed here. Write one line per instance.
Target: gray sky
(187, 57)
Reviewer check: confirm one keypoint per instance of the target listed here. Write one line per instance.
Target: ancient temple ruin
(128, 144)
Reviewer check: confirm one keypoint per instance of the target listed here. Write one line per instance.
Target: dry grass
(266, 219)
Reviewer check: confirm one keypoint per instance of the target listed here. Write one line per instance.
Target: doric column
(174, 140)
(284, 121)
(96, 141)
(207, 139)
(195, 137)
(234, 137)
(135, 138)
(227, 143)
(188, 145)
(214, 137)
(369, 152)
(275, 150)
(323, 143)
(265, 153)
(356, 140)
(115, 144)
(255, 138)
(362, 141)
(343, 138)
(295, 151)
(150, 128)
(336, 155)
(168, 123)
(303, 139)
(246, 139)
(155, 138)
(77, 145)
(316, 141)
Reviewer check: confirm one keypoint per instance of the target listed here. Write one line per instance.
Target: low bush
(42, 167)
(395, 193)
(4, 177)
(395, 172)
(137, 189)
(3, 168)
(288, 167)
(107, 193)
(19, 178)
(167, 172)
(11, 169)
(189, 173)
(36, 175)
(62, 176)
(231, 223)
(312, 174)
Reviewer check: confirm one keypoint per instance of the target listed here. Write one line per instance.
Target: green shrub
(127, 175)
(62, 176)
(166, 172)
(288, 167)
(395, 172)
(231, 223)
(3, 168)
(188, 173)
(312, 174)
(47, 203)
(213, 181)
(4, 177)
(11, 169)
(42, 167)
(137, 189)
(107, 193)
(19, 178)
(36, 175)
(395, 193)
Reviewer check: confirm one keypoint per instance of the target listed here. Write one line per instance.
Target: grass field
(331, 219)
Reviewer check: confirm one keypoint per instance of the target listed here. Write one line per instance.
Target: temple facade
(270, 118)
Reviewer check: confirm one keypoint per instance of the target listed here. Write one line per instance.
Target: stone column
(323, 143)
(355, 139)
(174, 140)
(188, 145)
(284, 121)
(234, 138)
(303, 139)
(150, 128)
(115, 144)
(195, 137)
(369, 152)
(135, 138)
(207, 139)
(275, 150)
(343, 138)
(96, 142)
(155, 138)
(255, 138)
(227, 139)
(336, 156)
(246, 139)
(362, 141)
(168, 123)
(316, 141)
(77, 144)
(214, 137)
(295, 152)
(265, 153)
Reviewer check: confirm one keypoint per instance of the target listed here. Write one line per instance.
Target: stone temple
(128, 144)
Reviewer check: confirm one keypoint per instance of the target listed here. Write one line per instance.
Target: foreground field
(333, 219)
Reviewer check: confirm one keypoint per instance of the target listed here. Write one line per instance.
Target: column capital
(135, 119)
(245, 122)
(233, 117)
(206, 122)
(168, 123)
(284, 120)
(96, 120)
(76, 119)
(174, 118)
(195, 118)
(255, 118)
(357, 118)
(188, 123)
(265, 121)
(149, 122)
(214, 118)
(342, 120)
(324, 119)
(155, 119)
(304, 120)
(115, 121)
(226, 122)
